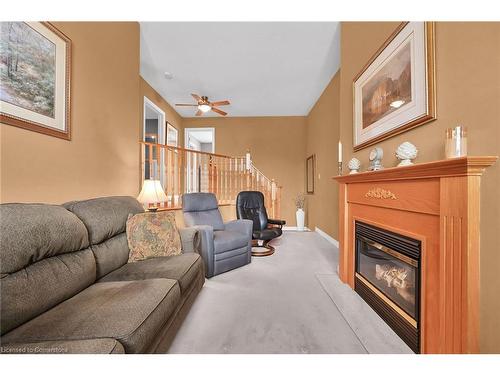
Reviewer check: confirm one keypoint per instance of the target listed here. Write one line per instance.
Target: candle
(340, 152)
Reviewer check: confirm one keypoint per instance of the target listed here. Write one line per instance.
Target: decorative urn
(406, 152)
(354, 165)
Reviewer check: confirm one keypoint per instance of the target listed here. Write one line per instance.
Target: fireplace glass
(392, 273)
(388, 278)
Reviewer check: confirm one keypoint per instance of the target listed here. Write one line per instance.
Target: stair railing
(183, 170)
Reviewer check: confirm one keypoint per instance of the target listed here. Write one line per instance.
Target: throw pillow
(152, 234)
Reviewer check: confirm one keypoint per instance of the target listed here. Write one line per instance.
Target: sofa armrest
(189, 240)
(242, 226)
(205, 246)
(276, 222)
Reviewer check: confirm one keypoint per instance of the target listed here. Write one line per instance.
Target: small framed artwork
(172, 136)
(310, 171)
(395, 91)
(35, 78)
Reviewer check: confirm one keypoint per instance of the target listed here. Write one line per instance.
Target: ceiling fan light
(204, 108)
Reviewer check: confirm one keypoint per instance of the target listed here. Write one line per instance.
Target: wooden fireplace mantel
(438, 204)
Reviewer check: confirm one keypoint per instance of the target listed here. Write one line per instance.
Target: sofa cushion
(184, 268)
(35, 289)
(43, 260)
(32, 232)
(228, 240)
(110, 254)
(91, 346)
(152, 234)
(105, 219)
(131, 312)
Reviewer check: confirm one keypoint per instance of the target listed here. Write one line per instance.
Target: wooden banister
(183, 170)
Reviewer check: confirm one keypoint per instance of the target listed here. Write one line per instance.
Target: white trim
(162, 121)
(327, 237)
(289, 228)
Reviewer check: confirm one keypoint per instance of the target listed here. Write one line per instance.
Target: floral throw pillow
(152, 234)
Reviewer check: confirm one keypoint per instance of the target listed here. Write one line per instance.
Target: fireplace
(387, 277)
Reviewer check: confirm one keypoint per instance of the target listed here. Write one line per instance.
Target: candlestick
(340, 168)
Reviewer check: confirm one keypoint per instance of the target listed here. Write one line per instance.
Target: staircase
(182, 171)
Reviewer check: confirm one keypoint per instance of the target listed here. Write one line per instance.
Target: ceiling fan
(204, 105)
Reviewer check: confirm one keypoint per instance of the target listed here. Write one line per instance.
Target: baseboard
(288, 228)
(327, 237)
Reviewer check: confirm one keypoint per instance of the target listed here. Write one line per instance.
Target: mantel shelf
(463, 166)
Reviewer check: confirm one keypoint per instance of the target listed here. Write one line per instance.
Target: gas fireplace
(387, 277)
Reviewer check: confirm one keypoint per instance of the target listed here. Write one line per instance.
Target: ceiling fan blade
(187, 105)
(196, 97)
(216, 110)
(198, 113)
(222, 102)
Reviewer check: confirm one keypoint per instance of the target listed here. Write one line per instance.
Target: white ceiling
(262, 68)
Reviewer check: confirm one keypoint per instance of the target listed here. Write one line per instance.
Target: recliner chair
(224, 246)
(250, 205)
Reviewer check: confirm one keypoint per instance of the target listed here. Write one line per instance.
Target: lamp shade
(152, 192)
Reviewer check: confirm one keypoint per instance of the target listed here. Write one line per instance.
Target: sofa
(66, 286)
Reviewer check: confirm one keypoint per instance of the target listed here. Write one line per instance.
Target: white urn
(354, 165)
(300, 216)
(406, 152)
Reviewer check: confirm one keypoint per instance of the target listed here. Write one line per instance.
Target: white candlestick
(340, 152)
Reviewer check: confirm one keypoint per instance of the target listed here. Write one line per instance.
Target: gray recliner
(224, 246)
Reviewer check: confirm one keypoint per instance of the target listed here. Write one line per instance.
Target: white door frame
(161, 133)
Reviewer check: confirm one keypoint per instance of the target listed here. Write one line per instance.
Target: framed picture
(395, 91)
(172, 136)
(35, 78)
(310, 171)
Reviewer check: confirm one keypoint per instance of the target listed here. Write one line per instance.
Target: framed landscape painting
(395, 91)
(35, 77)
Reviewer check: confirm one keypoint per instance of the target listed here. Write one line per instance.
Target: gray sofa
(223, 246)
(66, 286)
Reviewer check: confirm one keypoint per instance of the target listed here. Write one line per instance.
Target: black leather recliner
(250, 205)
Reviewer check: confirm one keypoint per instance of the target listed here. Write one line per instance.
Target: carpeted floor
(290, 302)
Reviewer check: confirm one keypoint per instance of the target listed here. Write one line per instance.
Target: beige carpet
(290, 302)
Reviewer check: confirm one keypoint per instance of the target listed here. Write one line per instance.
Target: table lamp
(152, 193)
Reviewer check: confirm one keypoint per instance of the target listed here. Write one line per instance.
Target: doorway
(198, 139)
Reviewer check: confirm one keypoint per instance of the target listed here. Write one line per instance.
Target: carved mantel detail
(380, 193)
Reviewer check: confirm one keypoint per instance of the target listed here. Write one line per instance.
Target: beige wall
(322, 138)
(103, 156)
(277, 145)
(145, 90)
(468, 93)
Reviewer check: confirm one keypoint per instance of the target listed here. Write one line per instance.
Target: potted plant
(300, 214)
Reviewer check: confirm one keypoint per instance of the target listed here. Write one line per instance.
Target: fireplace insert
(388, 279)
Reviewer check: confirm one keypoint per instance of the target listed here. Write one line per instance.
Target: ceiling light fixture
(397, 103)
(204, 108)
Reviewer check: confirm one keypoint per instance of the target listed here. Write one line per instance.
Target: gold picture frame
(395, 90)
(35, 94)
(310, 172)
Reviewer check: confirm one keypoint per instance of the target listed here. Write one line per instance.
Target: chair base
(265, 244)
